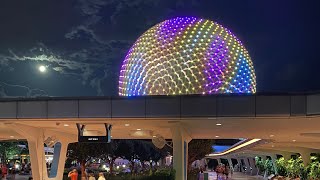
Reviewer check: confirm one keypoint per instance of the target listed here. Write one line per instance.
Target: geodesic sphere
(187, 55)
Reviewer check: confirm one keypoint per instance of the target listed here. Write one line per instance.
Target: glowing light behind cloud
(187, 55)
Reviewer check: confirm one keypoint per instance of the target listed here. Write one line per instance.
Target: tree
(109, 152)
(8, 150)
(198, 149)
(142, 150)
(82, 152)
(126, 151)
(157, 154)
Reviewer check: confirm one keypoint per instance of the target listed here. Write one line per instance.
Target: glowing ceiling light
(181, 54)
(236, 147)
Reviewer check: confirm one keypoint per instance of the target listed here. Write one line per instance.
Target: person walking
(4, 171)
(91, 177)
(13, 173)
(101, 176)
(73, 174)
(227, 171)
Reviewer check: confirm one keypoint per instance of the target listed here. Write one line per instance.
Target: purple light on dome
(176, 56)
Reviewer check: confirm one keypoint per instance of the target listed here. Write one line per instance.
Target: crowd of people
(223, 171)
(10, 171)
(73, 175)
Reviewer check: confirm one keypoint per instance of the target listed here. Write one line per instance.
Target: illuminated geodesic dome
(187, 55)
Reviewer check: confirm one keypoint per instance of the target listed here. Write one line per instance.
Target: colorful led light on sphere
(187, 55)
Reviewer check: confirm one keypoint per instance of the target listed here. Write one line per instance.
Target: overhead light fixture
(218, 124)
(11, 136)
(272, 146)
(217, 136)
(138, 129)
(126, 125)
(294, 140)
(271, 135)
(154, 136)
(66, 125)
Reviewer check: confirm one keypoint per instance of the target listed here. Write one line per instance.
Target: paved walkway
(19, 177)
(241, 176)
(235, 176)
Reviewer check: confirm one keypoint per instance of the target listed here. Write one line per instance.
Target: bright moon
(42, 68)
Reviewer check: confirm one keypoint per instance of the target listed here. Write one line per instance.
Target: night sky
(82, 43)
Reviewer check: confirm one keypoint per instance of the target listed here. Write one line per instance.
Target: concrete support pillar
(240, 165)
(252, 162)
(286, 156)
(263, 158)
(253, 165)
(180, 140)
(273, 159)
(219, 160)
(35, 138)
(306, 158)
(230, 163)
(205, 162)
(246, 162)
(37, 155)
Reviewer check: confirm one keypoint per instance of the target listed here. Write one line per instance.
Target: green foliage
(264, 165)
(314, 170)
(9, 149)
(295, 167)
(281, 166)
(169, 173)
(81, 151)
(260, 165)
(269, 166)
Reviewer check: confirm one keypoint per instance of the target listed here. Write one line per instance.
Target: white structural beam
(306, 156)
(253, 165)
(273, 159)
(35, 137)
(286, 155)
(292, 149)
(180, 140)
(247, 163)
(230, 163)
(304, 152)
(239, 164)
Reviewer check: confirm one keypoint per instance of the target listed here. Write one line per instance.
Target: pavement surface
(241, 176)
(18, 177)
(235, 176)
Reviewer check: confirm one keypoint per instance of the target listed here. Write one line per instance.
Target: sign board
(94, 139)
